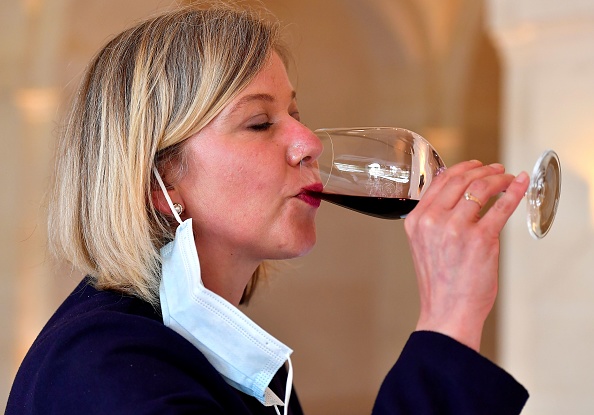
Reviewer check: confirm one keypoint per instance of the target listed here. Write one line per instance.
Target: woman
(185, 138)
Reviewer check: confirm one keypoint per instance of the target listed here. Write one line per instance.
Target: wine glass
(384, 171)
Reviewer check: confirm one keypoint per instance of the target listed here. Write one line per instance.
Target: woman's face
(246, 175)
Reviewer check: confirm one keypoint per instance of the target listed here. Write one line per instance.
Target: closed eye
(261, 127)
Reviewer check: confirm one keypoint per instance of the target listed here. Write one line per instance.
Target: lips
(316, 187)
(308, 198)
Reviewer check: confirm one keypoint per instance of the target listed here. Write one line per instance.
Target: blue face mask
(243, 353)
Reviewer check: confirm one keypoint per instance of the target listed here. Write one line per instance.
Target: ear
(160, 201)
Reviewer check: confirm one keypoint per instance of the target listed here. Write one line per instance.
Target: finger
(440, 180)
(496, 218)
(478, 194)
(449, 193)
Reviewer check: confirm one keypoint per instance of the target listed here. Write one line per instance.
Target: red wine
(380, 207)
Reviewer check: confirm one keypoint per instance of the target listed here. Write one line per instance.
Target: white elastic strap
(164, 189)
(288, 388)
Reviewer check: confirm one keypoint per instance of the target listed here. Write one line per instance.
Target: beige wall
(348, 307)
(547, 324)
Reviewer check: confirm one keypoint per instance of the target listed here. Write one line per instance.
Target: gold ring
(473, 198)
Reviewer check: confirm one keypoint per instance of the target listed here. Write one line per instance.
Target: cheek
(244, 187)
(237, 177)
(245, 178)
(255, 171)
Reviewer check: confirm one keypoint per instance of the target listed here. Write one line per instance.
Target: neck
(228, 281)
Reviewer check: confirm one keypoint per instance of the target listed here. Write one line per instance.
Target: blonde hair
(145, 92)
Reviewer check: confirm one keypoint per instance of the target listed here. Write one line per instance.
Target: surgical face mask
(243, 353)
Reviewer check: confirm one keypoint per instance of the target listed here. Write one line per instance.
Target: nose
(304, 148)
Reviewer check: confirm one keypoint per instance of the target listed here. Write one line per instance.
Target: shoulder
(91, 319)
(105, 350)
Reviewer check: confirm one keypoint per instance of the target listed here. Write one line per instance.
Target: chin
(305, 248)
(296, 240)
(297, 249)
(304, 252)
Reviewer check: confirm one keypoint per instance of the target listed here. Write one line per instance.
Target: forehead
(270, 86)
(271, 83)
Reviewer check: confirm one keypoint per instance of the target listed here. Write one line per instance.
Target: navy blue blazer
(107, 353)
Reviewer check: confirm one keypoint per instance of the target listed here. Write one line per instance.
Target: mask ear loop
(164, 189)
(288, 387)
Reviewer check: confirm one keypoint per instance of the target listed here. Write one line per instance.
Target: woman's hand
(456, 251)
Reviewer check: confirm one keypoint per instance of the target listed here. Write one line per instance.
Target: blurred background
(496, 80)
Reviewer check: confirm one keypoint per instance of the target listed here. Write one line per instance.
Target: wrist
(467, 331)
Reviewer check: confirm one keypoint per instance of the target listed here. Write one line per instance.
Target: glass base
(543, 194)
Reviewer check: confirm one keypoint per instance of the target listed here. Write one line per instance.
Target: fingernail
(522, 177)
(496, 165)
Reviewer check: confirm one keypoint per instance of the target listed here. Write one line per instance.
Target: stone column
(10, 51)
(547, 296)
